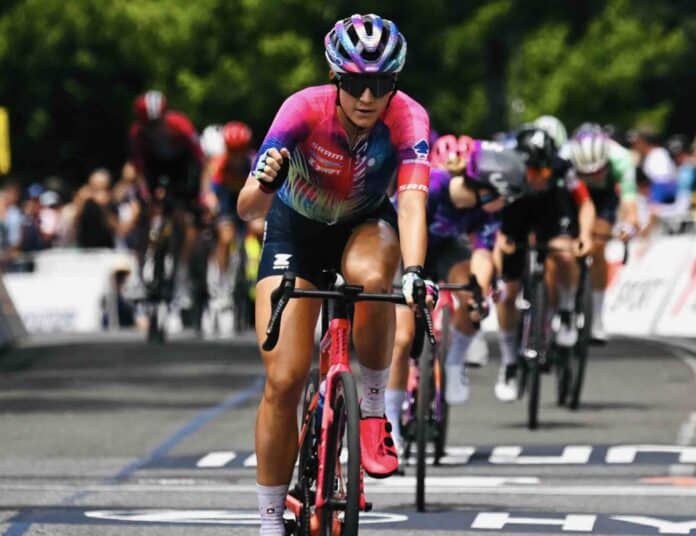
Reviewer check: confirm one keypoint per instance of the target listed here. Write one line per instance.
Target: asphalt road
(118, 437)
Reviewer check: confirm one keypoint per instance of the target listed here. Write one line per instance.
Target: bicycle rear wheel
(563, 374)
(423, 406)
(341, 486)
(578, 361)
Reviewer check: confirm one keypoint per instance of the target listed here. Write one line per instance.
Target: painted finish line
(457, 520)
(646, 454)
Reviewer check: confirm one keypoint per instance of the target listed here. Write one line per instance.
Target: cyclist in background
(321, 179)
(554, 128)
(168, 157)
(223, 179)
(464, 199)
(561, 214)
(608, 171)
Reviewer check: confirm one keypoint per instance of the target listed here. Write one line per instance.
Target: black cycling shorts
(606, 204)
(306, 247)
(548, 214)
(443, 254)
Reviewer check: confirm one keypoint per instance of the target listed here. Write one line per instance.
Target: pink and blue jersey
(331, 182)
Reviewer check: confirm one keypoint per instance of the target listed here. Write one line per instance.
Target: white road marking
(687, 431)
(444, 485)
(216, 459)
(579, 454)
(224, 517)
(443, 482)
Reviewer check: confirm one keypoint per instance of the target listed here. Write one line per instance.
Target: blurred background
(71, 70)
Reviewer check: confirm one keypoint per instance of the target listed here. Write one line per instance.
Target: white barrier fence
(69, 291)
(73, 291)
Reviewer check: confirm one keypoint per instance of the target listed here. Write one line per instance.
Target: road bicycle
(329, 490)
(424, 416)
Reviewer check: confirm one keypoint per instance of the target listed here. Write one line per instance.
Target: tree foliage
(71, 69)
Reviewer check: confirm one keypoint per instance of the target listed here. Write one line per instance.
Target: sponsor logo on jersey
(421, 149)
(281, 261)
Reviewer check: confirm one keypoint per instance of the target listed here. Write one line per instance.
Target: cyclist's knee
(373, 280)
(283, 388)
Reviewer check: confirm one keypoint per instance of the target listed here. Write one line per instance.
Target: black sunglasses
(355, 84)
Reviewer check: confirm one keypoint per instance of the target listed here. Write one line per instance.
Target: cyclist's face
(596, 177)
(365, 110)
(538, 178)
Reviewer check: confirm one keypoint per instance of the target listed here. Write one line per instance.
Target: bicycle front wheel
(440, 380)
(578, 361)
(539, 345)
(341, 485)
(422, 423)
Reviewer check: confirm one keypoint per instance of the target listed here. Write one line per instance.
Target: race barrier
(69, 290)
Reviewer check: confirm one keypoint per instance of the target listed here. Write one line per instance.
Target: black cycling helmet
(536, 147)
(498, 169)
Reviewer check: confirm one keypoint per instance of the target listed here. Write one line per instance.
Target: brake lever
(279, 300)
(419, 295)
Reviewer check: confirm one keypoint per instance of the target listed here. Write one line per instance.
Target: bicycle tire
(563, 376)
(346, 422)
(423, 404)
(539, 344)
(582, 348)
(440, 357)
(306, 464)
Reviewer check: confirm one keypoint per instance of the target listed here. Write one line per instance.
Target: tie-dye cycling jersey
(330, 182)
(447, 221)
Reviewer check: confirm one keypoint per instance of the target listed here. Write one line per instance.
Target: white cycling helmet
(589, 148)
(212, 141)
(554, 128)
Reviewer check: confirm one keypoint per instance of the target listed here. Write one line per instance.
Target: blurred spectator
(10, 222)
(686, 178)
(129, 203)
(50, 216)
(32, 237)
(96, 218)
(656, 164)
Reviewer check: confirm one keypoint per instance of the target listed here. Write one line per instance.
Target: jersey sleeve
(623, 171)
(411, 133)
(577, 188)
(290, 125)
(182, 125)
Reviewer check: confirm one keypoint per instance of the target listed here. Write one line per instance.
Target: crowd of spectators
(47, 214)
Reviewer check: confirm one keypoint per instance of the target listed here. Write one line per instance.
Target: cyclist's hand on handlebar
(408, 281)
(506, 245)
(627, 231)
(272, 169)
(583, 246)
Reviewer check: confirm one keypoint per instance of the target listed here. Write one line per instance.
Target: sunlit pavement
(120, 437)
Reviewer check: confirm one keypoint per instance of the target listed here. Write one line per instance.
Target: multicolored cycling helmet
(237, 135)
(212, 142)
(553, 128)
(536, 147)
(589, 148)
(448, 147)
(365, 44)
(493, 167)
(150, 105)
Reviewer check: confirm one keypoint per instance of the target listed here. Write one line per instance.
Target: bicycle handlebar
(349, 293)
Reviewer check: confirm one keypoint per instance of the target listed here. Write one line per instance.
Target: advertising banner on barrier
(678, 317)
(67, 291)
(637, 297)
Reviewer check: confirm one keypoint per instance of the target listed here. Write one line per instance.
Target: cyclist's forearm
(586, 218)
(412, 227)
(253, 202)
(629, 210)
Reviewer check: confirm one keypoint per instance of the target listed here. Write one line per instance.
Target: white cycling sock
(459, 344)
(394, 399)
(271, 501)
(508, 350)
(374, 383)
(566, 298)
(597, 303)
